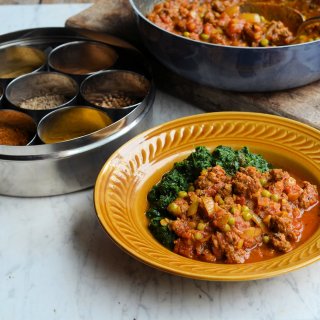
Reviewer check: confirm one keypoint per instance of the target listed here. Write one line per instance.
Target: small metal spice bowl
(70, 123)
(19, 60)
(39, 93)
(16, 128)
(82, 58)
(116, 91)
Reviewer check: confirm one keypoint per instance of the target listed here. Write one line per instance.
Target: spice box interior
(68, 99)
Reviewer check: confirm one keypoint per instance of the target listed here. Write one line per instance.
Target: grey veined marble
(56, 262)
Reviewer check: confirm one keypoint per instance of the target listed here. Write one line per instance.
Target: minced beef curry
(221, 22)
(244, 217)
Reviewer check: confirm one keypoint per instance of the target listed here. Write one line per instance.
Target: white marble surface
(57, 263)
(16, 17)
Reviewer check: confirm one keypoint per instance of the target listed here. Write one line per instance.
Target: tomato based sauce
(249, 217)
(221, 22)
(310, 221)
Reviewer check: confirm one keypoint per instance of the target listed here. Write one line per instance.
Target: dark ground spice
(113, 100)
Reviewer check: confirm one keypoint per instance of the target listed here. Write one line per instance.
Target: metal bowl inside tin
(41, 92)
(18, 60)
(117, 92)
(82, 58)
(240, 69)
(16, 128)
(72, 122)
(59, 168)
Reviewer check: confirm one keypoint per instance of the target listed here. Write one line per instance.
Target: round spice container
(116, 91)
(16, 128)
(81, 58)
(19, 60)
(41, 92)
(70, 123)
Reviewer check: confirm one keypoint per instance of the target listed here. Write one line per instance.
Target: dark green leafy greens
(185, 172)
(167, 189)
(162, 233)
(232, 160)
(162, 194)
(179, 177)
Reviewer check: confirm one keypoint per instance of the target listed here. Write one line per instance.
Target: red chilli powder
(16, 128)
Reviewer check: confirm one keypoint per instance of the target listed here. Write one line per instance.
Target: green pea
(226, 228)
(204, 36)
(182, 194)
(247, 216)
(198, 236)
(275, 197)
(231, 221)
(201, 226)
(266, 239)
(263, 181)
(186, 34)
(264, 42)
(174, 208)
(265, 193)
(245, 209)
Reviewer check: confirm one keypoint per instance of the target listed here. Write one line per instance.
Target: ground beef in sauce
(224, 218)
(221, 22)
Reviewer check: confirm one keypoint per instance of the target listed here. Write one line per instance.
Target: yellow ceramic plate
(123, 183)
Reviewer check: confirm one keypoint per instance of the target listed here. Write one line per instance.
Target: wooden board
(302, 104)
(113, 17)
(116, 17)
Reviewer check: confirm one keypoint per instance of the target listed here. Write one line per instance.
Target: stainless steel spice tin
(52, 169)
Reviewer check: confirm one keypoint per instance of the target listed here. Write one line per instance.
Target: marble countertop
(56, 262)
